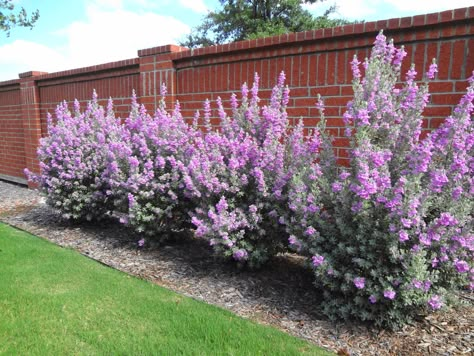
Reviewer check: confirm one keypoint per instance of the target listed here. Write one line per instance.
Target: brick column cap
(161, 50)
(31, 73)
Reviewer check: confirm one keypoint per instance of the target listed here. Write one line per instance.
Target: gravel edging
(281, 294)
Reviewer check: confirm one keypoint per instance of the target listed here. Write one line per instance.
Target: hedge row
(387, 237)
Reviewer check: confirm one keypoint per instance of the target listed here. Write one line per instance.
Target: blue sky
(73, 34)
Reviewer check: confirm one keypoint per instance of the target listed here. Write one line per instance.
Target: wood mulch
(281, 294)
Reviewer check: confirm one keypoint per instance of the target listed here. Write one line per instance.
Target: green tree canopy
(10, 19)
(248, 19)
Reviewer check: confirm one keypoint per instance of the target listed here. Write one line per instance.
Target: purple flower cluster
(359, 282)
(389, 294)
(435, 302)
(317, 260)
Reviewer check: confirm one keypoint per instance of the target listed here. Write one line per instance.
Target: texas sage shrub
(146, 168)
(391, 235)
(239, 176)
(72, 159)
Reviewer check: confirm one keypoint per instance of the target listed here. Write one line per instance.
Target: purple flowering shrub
(72, 159)
(146, 170)
(239, 176)
(392, 234)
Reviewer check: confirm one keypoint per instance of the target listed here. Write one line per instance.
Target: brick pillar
(157, 67)
(30, 113)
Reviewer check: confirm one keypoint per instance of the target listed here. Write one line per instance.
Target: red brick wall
(314, 62)
(12, 150)
(318, 62)
(116, 80)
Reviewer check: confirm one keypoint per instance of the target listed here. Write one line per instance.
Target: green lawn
(54, 301)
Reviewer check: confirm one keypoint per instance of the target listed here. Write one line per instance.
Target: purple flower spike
(433, 70)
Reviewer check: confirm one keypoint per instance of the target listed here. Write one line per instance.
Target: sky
(74, 34)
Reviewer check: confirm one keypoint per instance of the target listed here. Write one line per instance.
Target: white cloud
(145, 4)
(109, 35)
(371, 10)
(109, 32)
(356, 10)
(197, 6)
(24, 56)
(428, 6)
(111, 4)
(347, 9)
(194, 5)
